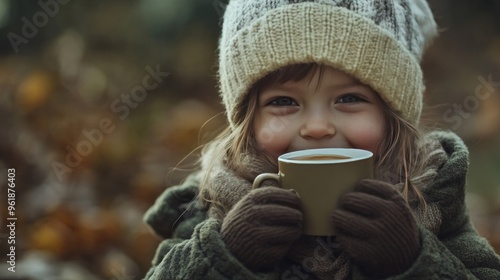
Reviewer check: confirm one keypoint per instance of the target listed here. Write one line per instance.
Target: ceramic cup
(320, 177)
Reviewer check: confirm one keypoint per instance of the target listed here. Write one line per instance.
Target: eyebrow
(349, 84)
(339, 86)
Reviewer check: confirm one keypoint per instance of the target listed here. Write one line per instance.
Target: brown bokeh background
(70, 75)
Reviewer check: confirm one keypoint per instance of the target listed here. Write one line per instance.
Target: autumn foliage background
(83, 220)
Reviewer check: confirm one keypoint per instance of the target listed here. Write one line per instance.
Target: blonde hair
(398, 158)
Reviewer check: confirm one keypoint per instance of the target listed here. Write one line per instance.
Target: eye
(283, 101)
(349, 98)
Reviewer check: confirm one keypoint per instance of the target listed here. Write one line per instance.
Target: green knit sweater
(193, 247)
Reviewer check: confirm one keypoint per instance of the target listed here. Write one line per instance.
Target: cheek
(271, 135)
(367, 136)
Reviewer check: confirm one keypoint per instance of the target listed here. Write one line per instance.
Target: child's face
(337, 112)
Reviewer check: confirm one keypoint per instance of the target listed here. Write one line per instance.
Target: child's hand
(262, 226)
(377, 229)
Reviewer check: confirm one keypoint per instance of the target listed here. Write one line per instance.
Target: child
(323, 73)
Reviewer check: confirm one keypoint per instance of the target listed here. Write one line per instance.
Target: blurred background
(102, 102)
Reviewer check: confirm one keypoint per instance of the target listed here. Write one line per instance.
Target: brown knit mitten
(377, 229)
(260, 229)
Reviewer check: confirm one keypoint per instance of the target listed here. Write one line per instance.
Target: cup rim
(355, 154)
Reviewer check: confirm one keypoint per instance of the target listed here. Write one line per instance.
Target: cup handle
(265, 176)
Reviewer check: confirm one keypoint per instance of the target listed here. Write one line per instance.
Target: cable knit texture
(370, 40)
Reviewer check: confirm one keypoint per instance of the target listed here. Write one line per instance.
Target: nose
(317, 126)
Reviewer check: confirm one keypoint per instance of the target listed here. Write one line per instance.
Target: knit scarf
(320, 257)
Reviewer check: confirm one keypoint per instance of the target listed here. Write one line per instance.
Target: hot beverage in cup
(320, 157)
(320, 177)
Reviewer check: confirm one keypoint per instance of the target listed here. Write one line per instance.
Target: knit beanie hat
(379, 42)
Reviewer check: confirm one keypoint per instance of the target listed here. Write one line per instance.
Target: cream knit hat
(380, 42)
